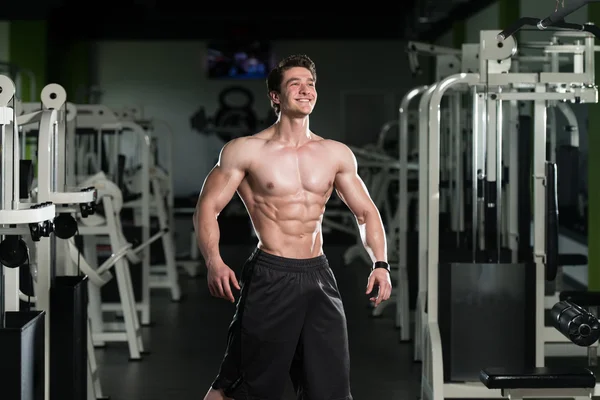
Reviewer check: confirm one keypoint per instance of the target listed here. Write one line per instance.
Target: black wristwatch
(381, 264)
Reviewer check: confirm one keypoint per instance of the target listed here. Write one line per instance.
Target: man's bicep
(223, 180)
(219, 187)
(353, 191)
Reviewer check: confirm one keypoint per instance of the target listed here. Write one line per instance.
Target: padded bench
(540, 382)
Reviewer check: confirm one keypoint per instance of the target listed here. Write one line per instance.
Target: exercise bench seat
(538, 378)
(581, 298)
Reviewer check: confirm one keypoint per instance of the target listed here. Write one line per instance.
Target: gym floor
(187, 340)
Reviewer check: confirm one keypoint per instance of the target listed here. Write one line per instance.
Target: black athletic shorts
(289, 323)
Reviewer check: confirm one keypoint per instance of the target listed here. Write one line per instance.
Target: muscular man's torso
(285, 191)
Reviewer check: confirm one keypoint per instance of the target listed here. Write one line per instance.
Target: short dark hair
(275, 77)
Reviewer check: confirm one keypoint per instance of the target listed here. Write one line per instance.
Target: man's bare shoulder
(263, 135)
(337, 147)
(245, 143)
(240, 152)
(341, 154)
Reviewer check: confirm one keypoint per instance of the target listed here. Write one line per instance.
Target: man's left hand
(379, 277)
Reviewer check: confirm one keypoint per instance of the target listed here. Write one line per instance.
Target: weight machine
(162, 200)
(67, 259)
(59, 294)
(553, 57)
(110, 198)
(100, 119)
(51, 179)
(448, 62)
(404, 199)
(19, 326)
(578, 326)
(494, 274)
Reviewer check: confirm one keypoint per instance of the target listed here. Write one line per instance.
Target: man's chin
(300, 113)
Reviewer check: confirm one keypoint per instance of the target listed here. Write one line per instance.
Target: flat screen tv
(239, 59)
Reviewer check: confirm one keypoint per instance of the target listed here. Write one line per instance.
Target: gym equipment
(14, 252)
(555, 19)
(551, 244)
(110, 198)
(423, 219)
(568, 158)
(590, 302)
(161, 201)
(539, 383)
(59, 290)
(452, 197)
(414, 48)
(575, 323)
(491, 280)
(578, 326)
(22, 344)
(514, 223)
(16, 73)
(68, 292)
(230, 120)
(402, 317)
(99, 118)
(552, 61)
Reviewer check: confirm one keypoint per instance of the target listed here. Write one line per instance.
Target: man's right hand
(219, 276)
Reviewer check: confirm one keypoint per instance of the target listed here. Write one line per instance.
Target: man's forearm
(373, 236)
(208, 234)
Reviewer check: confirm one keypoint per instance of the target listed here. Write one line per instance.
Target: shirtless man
(290, 318)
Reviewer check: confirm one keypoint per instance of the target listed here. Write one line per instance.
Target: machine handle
(569, 7)
(554, 19)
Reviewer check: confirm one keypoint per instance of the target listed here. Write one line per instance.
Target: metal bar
(539, 217)
(433, 183)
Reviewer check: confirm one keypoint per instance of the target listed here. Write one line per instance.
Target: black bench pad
(538, 378)
(581, 298)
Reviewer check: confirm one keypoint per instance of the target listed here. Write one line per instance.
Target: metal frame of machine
(491, 86)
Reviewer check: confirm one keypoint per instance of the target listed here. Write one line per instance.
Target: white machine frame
(494, 72)
(50, 183)
(161, 204)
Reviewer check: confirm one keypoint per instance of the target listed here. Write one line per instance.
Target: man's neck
(295, 131)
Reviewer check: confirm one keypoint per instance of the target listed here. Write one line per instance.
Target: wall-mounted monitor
(239, 59)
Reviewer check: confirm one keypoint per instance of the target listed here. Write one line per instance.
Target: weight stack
(22, 356)
(68, 338)
(486, 317)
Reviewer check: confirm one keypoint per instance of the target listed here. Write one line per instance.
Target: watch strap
(382, 264)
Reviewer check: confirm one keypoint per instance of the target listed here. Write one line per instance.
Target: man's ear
(274, 96)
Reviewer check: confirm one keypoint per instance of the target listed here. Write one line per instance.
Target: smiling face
(291, 86)
(298, 94)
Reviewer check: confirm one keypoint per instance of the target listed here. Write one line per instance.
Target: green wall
(28, 50)
(36, 46)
